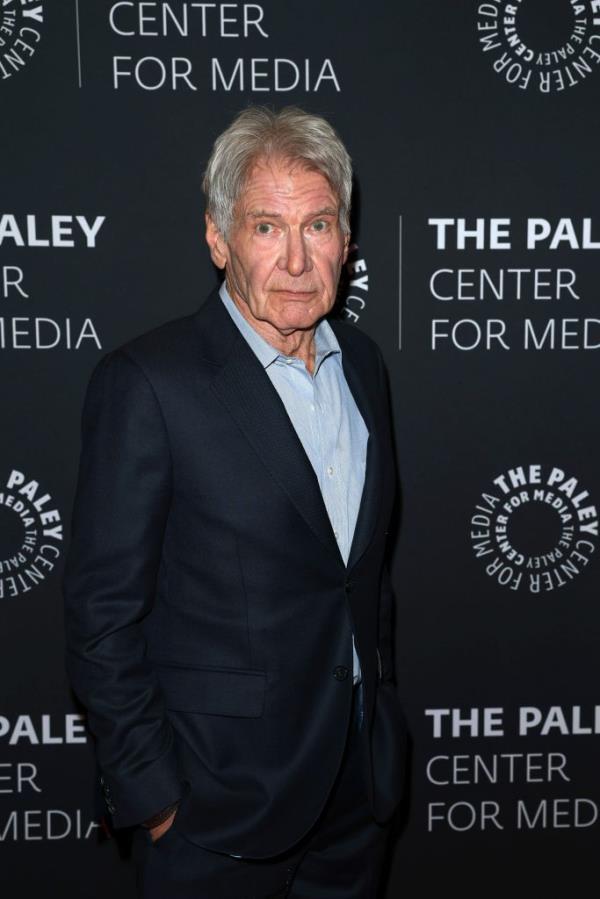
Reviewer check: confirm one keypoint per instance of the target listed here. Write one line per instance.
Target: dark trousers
(339, 858)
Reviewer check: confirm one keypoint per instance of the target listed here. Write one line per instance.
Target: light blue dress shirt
(325, 418)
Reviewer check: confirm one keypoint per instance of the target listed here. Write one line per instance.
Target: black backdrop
(460, 117)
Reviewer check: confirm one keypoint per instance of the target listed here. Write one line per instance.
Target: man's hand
(160, 829)
(160, 823)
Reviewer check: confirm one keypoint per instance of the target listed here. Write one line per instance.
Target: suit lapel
(370, 498)
(244, 388)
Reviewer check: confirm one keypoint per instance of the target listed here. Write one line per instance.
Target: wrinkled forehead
(264, 173)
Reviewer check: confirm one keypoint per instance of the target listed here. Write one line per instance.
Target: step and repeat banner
(475, 263)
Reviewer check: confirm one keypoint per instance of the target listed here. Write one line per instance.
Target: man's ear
(346, 247)
(216, 243)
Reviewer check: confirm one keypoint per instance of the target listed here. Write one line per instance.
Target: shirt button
(289, 361)
(340, 672)
(330, 470)
(312, 406)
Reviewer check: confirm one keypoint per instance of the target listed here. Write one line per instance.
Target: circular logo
(32, 535)
(354, 285)
(535, 530)
(547, 47)
(20, 34)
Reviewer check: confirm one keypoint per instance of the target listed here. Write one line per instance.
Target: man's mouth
(294, 294)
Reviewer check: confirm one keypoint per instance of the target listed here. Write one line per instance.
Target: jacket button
(348, 586)
(340, 672)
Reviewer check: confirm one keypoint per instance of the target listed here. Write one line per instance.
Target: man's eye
(264, 228)
(319, 225)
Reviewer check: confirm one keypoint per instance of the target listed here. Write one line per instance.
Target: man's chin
(298, 314)
(288, 323)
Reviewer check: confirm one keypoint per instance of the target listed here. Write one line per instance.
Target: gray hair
(260, 133)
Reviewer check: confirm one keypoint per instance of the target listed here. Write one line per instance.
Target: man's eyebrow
(263, 213)
(327, 210)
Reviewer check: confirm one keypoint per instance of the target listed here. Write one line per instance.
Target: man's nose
(295, 258)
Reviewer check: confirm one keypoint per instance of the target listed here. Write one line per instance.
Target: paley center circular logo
(542, 45)
(31, 534)
(20, 33)
(354, 285)
(535, 528)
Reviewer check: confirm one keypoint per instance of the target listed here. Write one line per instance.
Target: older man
(228, 608)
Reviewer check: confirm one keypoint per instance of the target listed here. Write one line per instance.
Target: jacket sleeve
(119, 516)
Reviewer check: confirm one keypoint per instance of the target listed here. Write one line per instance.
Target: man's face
(285, 248)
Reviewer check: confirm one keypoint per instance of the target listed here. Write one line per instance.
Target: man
(228, 608)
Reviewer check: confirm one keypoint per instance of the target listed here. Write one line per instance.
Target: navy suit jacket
(209, 613)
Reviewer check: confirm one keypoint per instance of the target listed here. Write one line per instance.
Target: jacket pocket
(213, 691)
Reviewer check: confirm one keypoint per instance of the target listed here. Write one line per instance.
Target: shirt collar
(326, 343)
